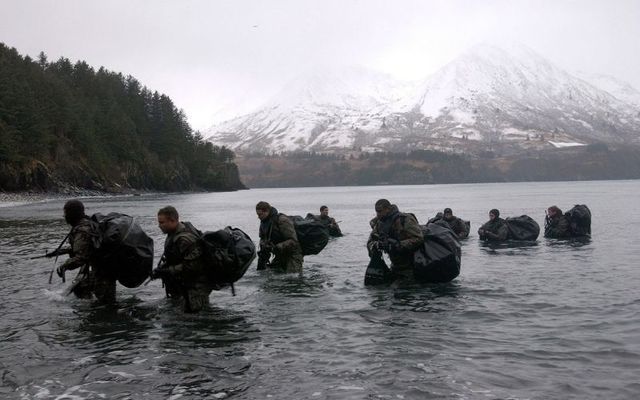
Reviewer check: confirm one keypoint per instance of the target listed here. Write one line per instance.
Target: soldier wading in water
(397, 234)
(277, 237)
(93, 278)
(182, 268)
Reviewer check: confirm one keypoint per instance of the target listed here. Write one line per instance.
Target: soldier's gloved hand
(393, 245)
(60, 270)
(160, 272)
(267, 247)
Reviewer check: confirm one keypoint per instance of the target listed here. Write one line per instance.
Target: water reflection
(414, 296)
(570, 242)
(510, 247)
(311, 283)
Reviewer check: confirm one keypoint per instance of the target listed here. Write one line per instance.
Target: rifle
(55, 253)
(381, 242)
(162, 265)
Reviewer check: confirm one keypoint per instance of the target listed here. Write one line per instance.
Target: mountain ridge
(486, 97)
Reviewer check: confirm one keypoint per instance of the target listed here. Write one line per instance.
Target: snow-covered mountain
(622, 90)
(317, 110)
(486, 96)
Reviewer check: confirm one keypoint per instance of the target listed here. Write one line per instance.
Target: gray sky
(219, 58)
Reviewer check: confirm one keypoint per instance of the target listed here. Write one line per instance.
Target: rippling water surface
(551, 319)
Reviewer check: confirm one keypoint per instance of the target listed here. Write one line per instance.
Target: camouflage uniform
(93, 277)
(279, 231)
(401, 227)
(557, 227)
(187, 270)
(495, 230)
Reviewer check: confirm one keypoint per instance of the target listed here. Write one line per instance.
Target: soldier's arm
(81, 249)
(190, 253)
(501, 233)
(550, 229)
(288, 233)
(414, 237)
(373, 240)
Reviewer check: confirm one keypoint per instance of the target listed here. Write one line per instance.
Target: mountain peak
(505, 93)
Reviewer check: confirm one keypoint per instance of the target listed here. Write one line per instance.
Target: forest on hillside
(593, 162)
(65, 124)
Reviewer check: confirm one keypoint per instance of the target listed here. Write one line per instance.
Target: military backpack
(122, 247)
(522, 228)
(227, 254)
(312, 234)
(579, 220)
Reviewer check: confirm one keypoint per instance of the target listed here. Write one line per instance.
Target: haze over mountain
(488, 96)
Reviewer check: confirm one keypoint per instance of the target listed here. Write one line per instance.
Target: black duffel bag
(123, 248)
(522, 228)
(579, 220)
(438, 259)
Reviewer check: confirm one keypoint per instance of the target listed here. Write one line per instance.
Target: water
(547, 320)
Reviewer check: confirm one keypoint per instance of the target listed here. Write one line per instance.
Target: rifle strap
(56, 259)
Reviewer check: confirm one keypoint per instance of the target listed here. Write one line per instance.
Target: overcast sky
(218, 58)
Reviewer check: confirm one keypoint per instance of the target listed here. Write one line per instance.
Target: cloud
(210, 56)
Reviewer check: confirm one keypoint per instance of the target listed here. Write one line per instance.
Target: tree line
(592, 162)
(67, 123)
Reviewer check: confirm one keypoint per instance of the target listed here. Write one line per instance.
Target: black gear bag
(522, 228)
(438, 259)
(313, 235)
(579, 220)
(229, 253)
(123, 248)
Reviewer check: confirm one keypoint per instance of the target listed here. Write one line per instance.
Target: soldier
(556, 224)
(457, 225)
(332, 225)
(182, 268)
(494, 230)
(277, 237)
(397, 234)
(93, 278)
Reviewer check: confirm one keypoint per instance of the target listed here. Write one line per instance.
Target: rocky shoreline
(8, 199)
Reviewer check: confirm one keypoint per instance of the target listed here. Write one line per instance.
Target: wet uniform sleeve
(557, 228)
(190, 253)
(373, 239)
(550, 229)
(288, 233)
(482, 230)
(81, 249)
(412, 236)
(501, 233)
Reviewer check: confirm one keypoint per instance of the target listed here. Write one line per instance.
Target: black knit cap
(447, 211)
(73, 211)
(495, 212)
